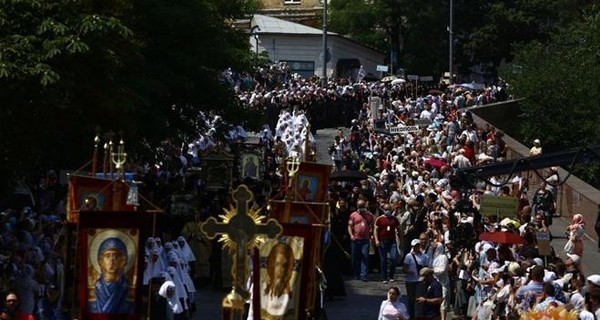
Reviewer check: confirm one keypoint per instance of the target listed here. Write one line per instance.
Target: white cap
(415, 242)
(594, 279)
(536, 141)
(539, 262)
(575, 258)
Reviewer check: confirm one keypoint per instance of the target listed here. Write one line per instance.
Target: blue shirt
(532, 286)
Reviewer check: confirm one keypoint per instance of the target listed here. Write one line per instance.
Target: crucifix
(239, 231)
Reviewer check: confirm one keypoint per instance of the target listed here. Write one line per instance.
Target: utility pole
(451, 42)
(325, 53)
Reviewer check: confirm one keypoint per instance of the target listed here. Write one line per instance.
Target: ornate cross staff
(239, 230)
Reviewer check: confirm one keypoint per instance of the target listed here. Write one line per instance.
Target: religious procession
(259, 217)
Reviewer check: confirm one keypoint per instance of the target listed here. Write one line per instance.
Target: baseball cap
(575, 258)
(415, 242)
(539, 261)
(594, 279)
(424, 273)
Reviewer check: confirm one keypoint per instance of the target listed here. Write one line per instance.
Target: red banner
(95, 194)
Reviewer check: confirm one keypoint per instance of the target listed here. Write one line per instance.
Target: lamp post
(451, 42)
(325, 53)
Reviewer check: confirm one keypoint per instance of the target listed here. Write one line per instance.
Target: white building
(302, 48)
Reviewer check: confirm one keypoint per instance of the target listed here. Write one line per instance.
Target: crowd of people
(407, 209)
(402, 212)
(32, 260)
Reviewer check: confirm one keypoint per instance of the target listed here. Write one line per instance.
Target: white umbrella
(398, 81)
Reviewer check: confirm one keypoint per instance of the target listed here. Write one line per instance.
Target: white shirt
(391, 310)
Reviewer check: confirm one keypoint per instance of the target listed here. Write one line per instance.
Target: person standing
(360, 227)
(393, 308)
(543, 201)
(48, 307)
(386, 227)
(576, 232)
(536, 150)
(414, 261)
(13, 307)
(431, 298)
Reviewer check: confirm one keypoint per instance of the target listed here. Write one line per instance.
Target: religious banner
(311, 182)
(110, 264)
(285, 287)
(251, 164)
(281, 274)
(300, 212)
(96, 194)
(216, 169)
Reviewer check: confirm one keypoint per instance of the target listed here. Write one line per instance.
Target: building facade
(302, 48)
(306, 12)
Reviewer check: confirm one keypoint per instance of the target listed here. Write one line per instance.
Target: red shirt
(361, 224)
(24, 316)
(470, 153)
(386, 227)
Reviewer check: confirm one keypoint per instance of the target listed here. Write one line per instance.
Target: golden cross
(241, 229)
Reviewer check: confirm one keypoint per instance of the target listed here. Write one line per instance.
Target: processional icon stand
(240, 232)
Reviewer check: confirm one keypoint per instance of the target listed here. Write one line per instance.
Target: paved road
(363, 298)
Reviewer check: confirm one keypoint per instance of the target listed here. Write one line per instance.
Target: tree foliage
(485, 32)
(558, 79)
(68, 67)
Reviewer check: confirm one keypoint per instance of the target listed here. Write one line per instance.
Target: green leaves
(147, 67)
(558, 79)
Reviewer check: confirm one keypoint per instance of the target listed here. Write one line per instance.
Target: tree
(489, 31)
(557, 81)
(147, 67)
(411, 29)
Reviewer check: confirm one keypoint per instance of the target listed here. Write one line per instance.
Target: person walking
(392, 308)
(386, 228)
(576, 231)
(414, 261)
(360, 227)
(431, 296)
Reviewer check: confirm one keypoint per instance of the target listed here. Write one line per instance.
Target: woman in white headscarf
(186, 251)
(181, 293)
(440, 269)
(177, 263)
(154, 266)
(174, 310)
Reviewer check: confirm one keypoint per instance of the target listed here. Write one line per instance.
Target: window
(304, 68)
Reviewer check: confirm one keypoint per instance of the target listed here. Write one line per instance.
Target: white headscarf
(182, 272)
(188, 255)
(153, 268)
(178, 283)
(172, 300)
